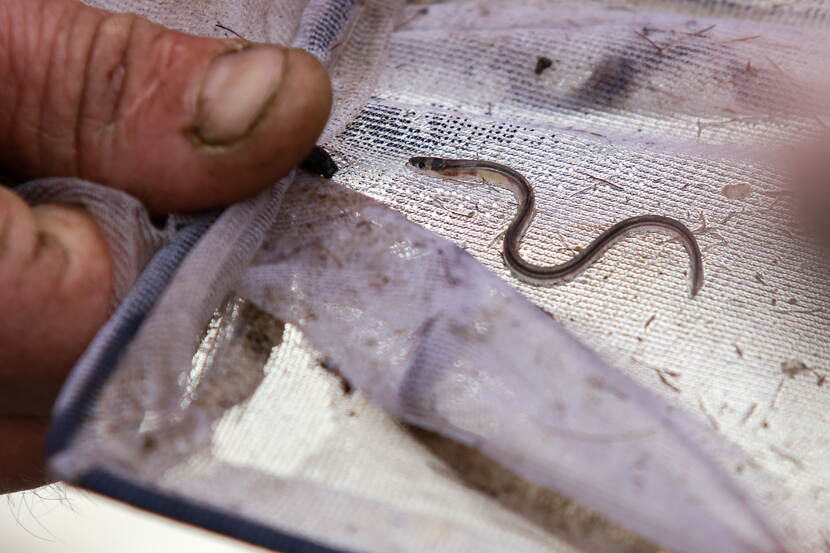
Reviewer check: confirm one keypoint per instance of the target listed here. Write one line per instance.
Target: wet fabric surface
(610, 414)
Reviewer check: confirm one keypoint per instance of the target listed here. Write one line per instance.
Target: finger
(55, 286)
(181, 122)
(21, 457)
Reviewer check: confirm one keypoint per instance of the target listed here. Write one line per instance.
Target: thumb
(181, 122)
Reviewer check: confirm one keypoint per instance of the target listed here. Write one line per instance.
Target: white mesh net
(690, 425)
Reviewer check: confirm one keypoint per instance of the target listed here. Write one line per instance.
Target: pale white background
(59, 519)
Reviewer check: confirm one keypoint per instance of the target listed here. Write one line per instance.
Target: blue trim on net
(66, 424)
(190, 512)
(128, 318)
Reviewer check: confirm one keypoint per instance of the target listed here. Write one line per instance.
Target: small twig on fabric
(730, 215)
(786, 456)
(704, 225)
(745, 119)
(663, 49)
(749, 413)
(592, 187)
(661, 373)
(565, 247)
(228, 29)
(808, 311)
(665, 380)
(499, 236)
(712, 420)
(702, 31)
(406, 21)
(780, 69)
(774, 401)
(740, 39)
(687, 36)
(705, 251)
(656, 46)
(702, 229)
(606, 181)
(444, 205)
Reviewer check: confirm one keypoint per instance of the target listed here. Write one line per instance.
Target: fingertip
(56, 277)
(88, 271)
(312, 76)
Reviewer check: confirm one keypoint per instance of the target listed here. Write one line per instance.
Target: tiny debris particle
(712, 420)
(739, 351)
(794, 368)
(784, 455)
(229, 30)
(649, 321)
(542, 63)
(613, 185)
(644, 36)
(414, 16)
(665, 381)
(702, 32)
(749, 413)
(739, 39)
(736, 191)
(328, 366)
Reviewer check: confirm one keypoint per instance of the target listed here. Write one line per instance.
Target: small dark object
(320, 163)
(542, 63)
(332, 369)
(228, 29)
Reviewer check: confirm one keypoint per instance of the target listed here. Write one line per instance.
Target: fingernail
(236, 92)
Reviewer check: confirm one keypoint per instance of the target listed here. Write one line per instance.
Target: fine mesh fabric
(350, 362)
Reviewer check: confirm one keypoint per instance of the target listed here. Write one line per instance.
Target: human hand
(181, 122)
